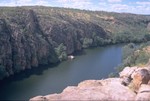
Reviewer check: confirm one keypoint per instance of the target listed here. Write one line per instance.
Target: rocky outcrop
(108, 89)
(141, 76)
(134, 77)
(143, 93)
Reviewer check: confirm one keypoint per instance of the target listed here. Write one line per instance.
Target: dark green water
(95, 63)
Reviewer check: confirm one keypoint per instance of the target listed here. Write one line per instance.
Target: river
(95, 63)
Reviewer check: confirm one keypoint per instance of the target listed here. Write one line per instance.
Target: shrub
(147, 37)
(128, 50)
(61, 52)
(142, 58)
(87, 42)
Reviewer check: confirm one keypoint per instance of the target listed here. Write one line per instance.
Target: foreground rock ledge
(133, 84)
(108, 89)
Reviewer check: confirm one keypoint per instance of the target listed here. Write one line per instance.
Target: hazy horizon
(121, 6)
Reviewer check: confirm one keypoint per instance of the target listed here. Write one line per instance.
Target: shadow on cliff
(34, 71)
(27, 73)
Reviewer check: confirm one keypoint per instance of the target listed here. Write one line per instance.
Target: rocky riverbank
(132, 84)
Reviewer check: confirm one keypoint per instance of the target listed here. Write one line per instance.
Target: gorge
(36, 36)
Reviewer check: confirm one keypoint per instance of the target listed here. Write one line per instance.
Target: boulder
(141, 76)
(126, 81)
(127, 71)
(143, 93)
(126, 75)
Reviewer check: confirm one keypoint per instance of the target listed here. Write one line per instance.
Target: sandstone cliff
(29, 35)
(132, 85)
(28, 39)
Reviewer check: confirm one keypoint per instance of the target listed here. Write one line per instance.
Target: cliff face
(29, 35)
(70, 33)
(23, 44)
(28, 39)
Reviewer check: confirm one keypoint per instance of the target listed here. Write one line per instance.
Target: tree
(87, 42)
(128, 50)
(61, 52)
(97, 40)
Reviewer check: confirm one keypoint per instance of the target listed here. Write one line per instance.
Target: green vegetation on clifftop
(135, 55)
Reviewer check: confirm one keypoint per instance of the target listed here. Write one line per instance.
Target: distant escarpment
(33, 36)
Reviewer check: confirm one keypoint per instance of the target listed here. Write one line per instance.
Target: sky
(126, 6)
